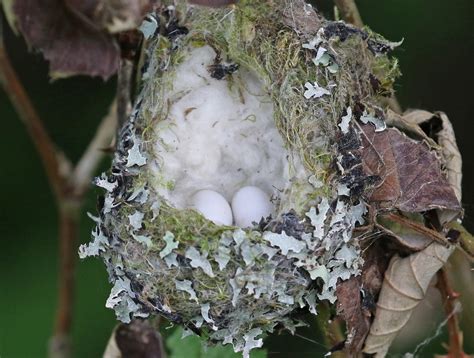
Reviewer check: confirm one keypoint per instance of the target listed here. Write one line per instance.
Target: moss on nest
(230, 284)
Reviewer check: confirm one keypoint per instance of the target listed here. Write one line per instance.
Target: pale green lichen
(228, 284)
(170, 244)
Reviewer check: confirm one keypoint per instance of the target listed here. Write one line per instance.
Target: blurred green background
(437, 66)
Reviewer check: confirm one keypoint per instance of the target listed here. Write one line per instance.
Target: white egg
(250, 204)
(213, 206)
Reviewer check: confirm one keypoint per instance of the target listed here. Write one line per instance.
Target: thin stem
(421, 229)
(449, 297)
(84, 170)
(124, 85)
(68, 232)
(69, 212)
(394, 105)
(349, 12)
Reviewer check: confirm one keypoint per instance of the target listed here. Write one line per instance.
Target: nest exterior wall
(228, 284)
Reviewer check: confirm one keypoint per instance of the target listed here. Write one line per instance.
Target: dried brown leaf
(405, 285)
(409, 123)
(445, 139)
(417, 116)
(349, 307)
(356, 297)
(451, 154)
(411, 177)
(112, 15)
(74, 36)
(70, 44)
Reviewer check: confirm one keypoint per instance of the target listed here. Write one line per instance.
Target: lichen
(229, 284)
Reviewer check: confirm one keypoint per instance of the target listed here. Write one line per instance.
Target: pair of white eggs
(249, 204)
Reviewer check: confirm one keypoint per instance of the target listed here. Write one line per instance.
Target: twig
(70, 205)
(69, 186)
(350, 13)
(60, 345)
(69, 212)
(394, 105)
(124, 80)
(30, 118)
(449, 297)
(417, 227)
(94, 153)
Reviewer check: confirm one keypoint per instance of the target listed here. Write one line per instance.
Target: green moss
(386, 70)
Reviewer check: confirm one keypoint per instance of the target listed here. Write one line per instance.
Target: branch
(451, 309)
(70, 205)
(124, 85)
(30, 118)
(84, 170)
(69, 186)
(60, 344)
(349, 12)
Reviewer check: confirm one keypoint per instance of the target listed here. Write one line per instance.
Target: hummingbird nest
(262, 93)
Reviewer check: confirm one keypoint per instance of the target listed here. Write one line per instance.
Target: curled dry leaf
(112, 15)
(405, 285)
(407, 124)
(8, 12)
(412, 181)
(445, 138)
(356, 316)
(74, 36)
(356, 297)
(452, 162)
(410, 173)
(71, 45)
